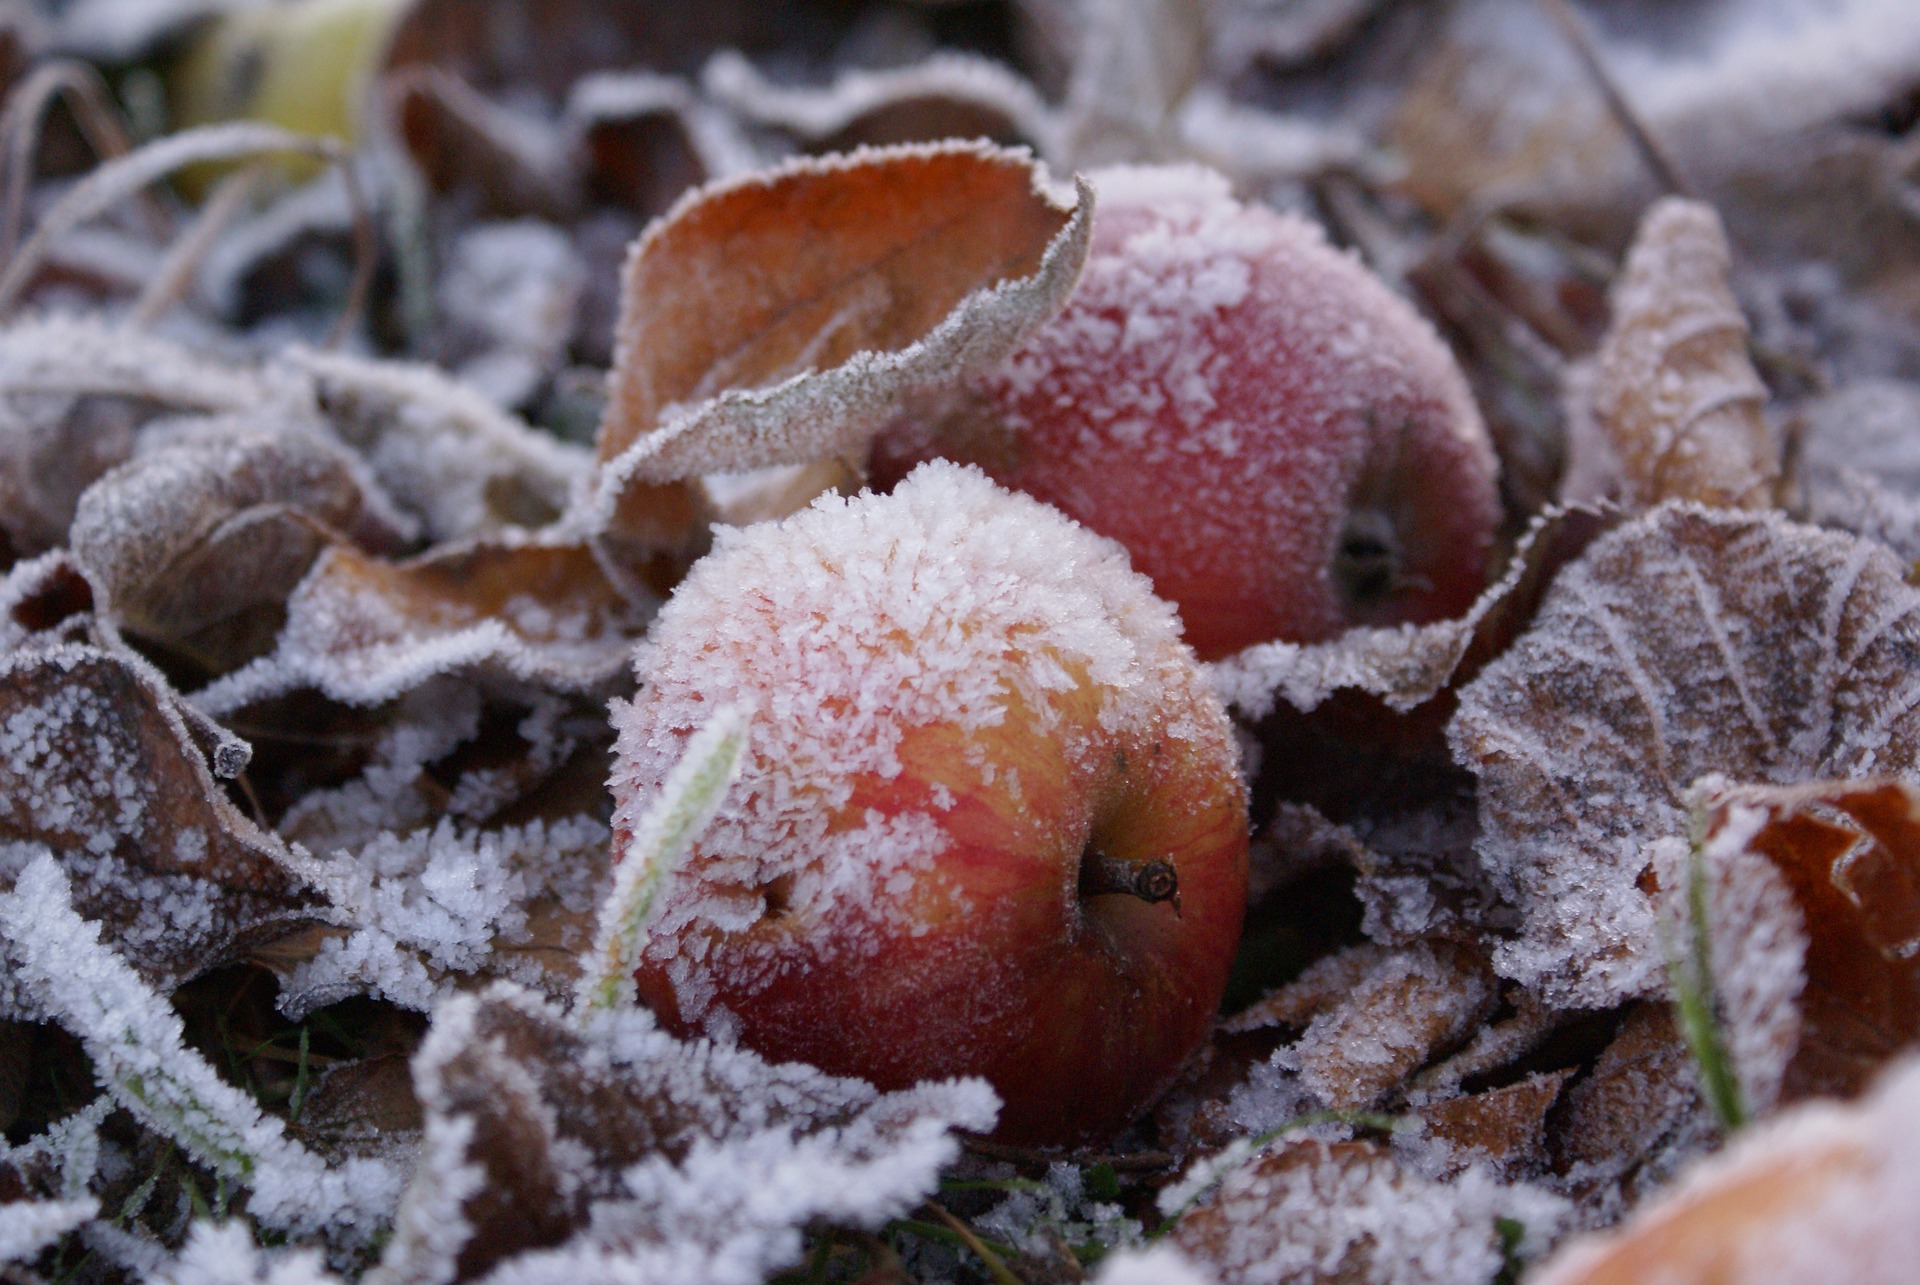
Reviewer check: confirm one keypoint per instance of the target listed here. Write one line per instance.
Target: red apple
(991, 820)
(1284, 446)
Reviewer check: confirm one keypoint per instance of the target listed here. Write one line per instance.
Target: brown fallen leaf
(1505, 1128)
(363, 631)
(1373, 1016)
(1636, 1115)
(198, 543)
(1675, 396)
(787, 317)
(98, 765)
(1690, 641)
(1823, 1193)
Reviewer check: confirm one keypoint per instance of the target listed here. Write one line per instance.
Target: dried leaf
(623, 1154)
(198, 542)
(1375, 1016)
(1637, 1115)
(1689, 642)
(1850, 853)
(1310, 1212)
(98, 764)
(645, 140)
(505, 162)
(1858, 468)
(788, 317)
(1675, 395)
(1823, 1193)
(363, 631)
(1505, 1128)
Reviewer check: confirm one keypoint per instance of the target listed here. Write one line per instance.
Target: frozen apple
(1284, 446)
(991, 821)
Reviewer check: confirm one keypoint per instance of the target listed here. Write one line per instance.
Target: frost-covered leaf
(1134, 63)
(1636, 1115)
(1407, 666)
(1372, 1016)
(43, 594)
(99, 765)
(1689, 642)
(444, 452)
(136, 1043)
(644, 139)
(1850, 856)
(944, 96)
(507, 298)
(788, 317)
(1823, 1193)
(198, 539)
(1310, 1212)
(1675, 397)
(227, 1254)
(1504, 1128)
(618, 1152)
(363, 631)
(506, 162)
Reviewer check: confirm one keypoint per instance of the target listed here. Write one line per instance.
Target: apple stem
(1151, 881)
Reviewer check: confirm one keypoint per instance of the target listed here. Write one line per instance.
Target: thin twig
(175, 275)
(23, 125)
(1652, 154)
(996, 1266)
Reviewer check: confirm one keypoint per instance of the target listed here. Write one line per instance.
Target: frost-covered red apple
(990, 823)
(1284, 446)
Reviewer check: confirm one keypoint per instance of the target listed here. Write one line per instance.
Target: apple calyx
(1150, 881)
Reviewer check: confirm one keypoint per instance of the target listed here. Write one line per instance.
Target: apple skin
(915, 911)
(1284, 446)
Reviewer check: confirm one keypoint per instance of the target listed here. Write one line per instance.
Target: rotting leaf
(198, 541)
(1824, 1192)
(1675, 395)
(97, 765)
(1316, 1213)
(1850, 853)
(621, 1152)
(363, 631)
(1689, 642)
(787, 317)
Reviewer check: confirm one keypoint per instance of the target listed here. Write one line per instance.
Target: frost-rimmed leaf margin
(818, 414)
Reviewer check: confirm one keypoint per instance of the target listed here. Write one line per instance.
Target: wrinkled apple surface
(1284, 445)
(991, 821)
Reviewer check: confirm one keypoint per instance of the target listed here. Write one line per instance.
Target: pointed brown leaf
(1675, 395)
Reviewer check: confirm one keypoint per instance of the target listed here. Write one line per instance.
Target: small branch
(1652, 154)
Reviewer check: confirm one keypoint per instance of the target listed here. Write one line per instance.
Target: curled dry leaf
(1850, 854)
(622, 1153)
(1688, 642)
(1504, 1128)
(788, 317)
(1315, 1213)
(363, 631)
(98, 765)
(1823, 1193)
(198, 541)
(1675, 396)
